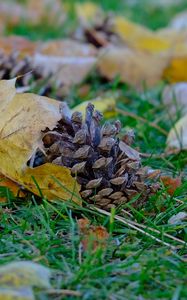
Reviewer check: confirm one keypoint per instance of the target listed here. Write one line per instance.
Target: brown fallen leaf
(134, 67)
(171, 184)
(92, 237)
(19, 44)
(24, 117)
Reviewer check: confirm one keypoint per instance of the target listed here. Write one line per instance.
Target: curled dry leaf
(92, 237)
(177, 137)
(174, 97)
(134, 67)
(171, 184)
(178, 218)
(24, 116)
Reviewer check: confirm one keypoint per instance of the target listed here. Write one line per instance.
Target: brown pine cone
(108, 170)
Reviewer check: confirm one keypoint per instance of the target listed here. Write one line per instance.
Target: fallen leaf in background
(176, 70)
(24, 117)
(92, 237)
(46, 10)
(88, 13)
(1, 25)
(18, 278)
(32, 11)
(11, 17)
(139, 37)
(171, 184)
(68, 61)
(178, 218)
(177, 137)
(19, 44)
(106, 105)
(134, 67)
(175, 98)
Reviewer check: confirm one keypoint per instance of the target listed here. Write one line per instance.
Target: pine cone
(108, 170)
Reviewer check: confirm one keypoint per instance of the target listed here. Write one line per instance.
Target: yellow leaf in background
(134, 67)
(88, 12)
(106, 105)
(23, 117)
(139, 36)
(176, 70)
(177, 137)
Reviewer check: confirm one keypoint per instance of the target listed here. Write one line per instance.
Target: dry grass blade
(63, 292)
(134, 116)
(129, 224)
(156, 231)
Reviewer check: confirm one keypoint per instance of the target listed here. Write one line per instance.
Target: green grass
(133, 265)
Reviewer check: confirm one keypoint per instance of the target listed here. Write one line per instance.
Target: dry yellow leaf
(13, 187)
(134, 67)
(24, 116)
(176, 71)
(106, 105)
(139, 36)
